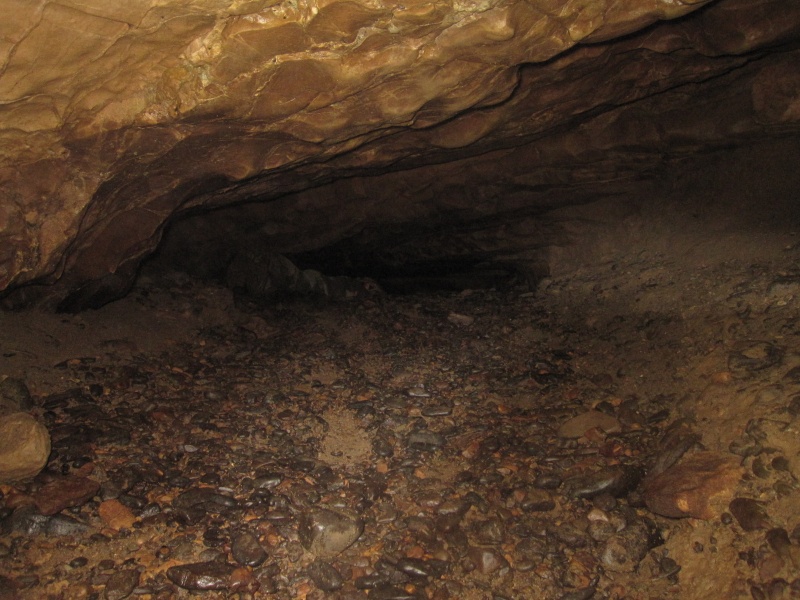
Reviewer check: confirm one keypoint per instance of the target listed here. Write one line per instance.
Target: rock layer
(150, 110)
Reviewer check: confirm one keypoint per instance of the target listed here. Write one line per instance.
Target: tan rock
(24, 447)
(116, 515)
(593, 419)
(699, 486)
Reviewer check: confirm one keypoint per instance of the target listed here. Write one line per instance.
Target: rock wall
(115, 120)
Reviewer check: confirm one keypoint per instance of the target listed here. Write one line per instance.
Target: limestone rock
(699, 486)
(24, 447)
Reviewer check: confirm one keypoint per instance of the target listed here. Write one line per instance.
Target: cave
(362, 299)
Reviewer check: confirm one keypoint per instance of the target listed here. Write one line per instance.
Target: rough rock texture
(149, 110)
(699, 486)
(24, 447)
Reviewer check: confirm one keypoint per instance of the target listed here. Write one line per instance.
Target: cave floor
(419, 446)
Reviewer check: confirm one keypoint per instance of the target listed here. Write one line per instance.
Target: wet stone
(326, 532)
(211, 575)
(121, 584)
(247, 550)
(325, 576)
(750, 514)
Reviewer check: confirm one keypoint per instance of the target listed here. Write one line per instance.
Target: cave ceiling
(389, 129)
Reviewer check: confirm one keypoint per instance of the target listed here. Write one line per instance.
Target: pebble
(750, 514)
(326, 533)
(247, 550)
(121, 584)
(325, 576)
(203, 576)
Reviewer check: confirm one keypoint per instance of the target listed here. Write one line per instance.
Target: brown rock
(749, 513)
(24, 447)
(65, 492)
(699, 486)
(578, 426)
(116, 515)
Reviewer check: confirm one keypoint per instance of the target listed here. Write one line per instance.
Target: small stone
(698, 486)
(24, 447)
(116, 515)
(211, 575)
(749, 513)
(65, 492)
(325, 532)
(121, 584)
(247, 550)
(487, 560)
(577, 426)
(325, 576)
